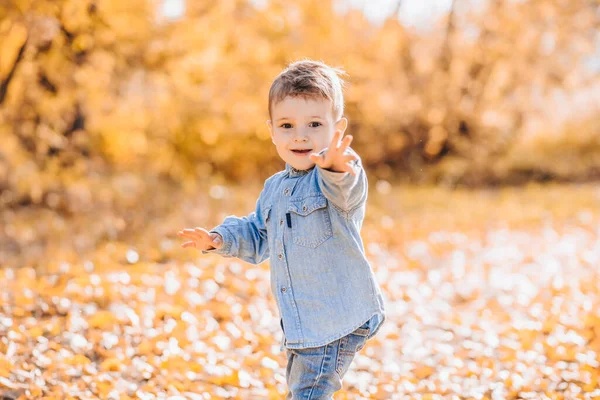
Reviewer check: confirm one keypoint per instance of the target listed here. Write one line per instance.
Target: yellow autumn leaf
(111, 364)
(102, 320)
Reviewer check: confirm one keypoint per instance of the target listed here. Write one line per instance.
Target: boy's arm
(346, 191)
(244, 237)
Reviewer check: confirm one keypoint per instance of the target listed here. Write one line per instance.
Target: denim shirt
(308, 222)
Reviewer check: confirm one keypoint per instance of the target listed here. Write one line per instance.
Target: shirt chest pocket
(266, 214)
(310, 220)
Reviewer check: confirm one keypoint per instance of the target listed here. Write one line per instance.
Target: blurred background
(121, 122)
(100, 100)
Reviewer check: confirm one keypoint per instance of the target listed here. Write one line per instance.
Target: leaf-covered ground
(491, 294)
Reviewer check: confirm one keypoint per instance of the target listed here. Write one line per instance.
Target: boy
(307, 220)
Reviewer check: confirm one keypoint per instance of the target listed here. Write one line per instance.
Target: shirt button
(280, 222)
(286, 191)
(280, 256)
(283, 290)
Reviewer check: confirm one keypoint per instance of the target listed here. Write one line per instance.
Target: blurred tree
(91, 85)
(64, 65)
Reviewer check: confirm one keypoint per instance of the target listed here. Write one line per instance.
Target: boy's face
(301, 126)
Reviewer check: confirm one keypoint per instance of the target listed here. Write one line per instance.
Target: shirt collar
(293, 172)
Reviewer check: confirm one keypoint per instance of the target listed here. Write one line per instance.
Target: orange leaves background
(119, 126)
(490, 294)
(502, 92)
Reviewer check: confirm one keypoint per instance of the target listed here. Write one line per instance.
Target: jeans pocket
(363, 330)
(348, 346)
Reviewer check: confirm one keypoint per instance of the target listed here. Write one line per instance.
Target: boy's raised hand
(335, 159)
(201, 239)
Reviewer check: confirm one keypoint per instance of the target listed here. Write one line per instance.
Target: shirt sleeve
(244, 237)
(346, 191)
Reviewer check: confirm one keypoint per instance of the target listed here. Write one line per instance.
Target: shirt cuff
(225, 249)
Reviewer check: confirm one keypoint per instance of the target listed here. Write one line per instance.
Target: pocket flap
(266, 212)
(307, 205)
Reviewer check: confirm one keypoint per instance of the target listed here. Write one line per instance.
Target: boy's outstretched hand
(335, 159)
(201, 239)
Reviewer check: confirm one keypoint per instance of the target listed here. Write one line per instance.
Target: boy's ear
(341, 125)
(270, 126)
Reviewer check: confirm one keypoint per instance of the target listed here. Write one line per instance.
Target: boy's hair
(309, 79)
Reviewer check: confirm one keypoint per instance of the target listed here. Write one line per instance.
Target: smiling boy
(307, 220)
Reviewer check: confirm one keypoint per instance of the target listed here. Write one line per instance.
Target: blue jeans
(316, 373)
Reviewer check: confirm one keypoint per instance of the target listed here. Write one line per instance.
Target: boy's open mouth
(302, 151)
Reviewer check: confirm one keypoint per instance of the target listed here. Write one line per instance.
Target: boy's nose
(300, 136)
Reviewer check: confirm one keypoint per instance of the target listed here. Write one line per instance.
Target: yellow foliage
(113, 84)
(111, 364)
(204, 326)
(14, 35)
(77, 360)
(104, 320)
(99, 98)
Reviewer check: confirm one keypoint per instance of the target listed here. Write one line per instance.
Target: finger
(335, 140)
(350, 170)
(191, 233)
(203, 233)
(188, 233)
(345, 143)
(349, 157)
(189, 244)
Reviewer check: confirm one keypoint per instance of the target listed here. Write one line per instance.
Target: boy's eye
(314, 124)
(286, 126)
